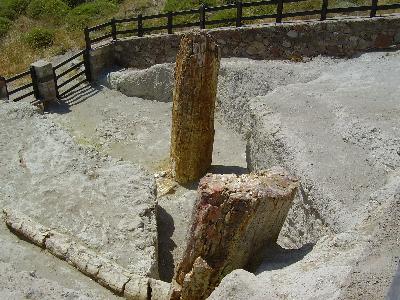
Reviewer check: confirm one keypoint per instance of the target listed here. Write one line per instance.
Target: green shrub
(5, 25)
(47, 9)
(38, 38)
(87, 13)
(18, 6)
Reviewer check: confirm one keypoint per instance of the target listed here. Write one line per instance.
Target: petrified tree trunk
(234, 218)
(192, 137)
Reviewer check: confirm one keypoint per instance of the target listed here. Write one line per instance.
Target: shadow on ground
(165, 227)
(74, 97)
(275, 257)
(221, 169)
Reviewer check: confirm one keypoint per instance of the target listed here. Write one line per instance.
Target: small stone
(112, 276)
(286, 44)
(383, 41)
(255, 48)
(137, 288)
(293, 34)
(159, 289)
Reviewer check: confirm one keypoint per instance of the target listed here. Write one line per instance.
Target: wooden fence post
(87, 39)
(55, 83)
(374, 8)
(86, 61)
(140, 25)
(170, 22)
(324, 9)
(3, 89)
(202, 16)
(35, 85)
(239, 12)
(113, 29)
(279, 10)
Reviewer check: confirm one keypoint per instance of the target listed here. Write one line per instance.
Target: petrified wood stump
(192, 137)
(234, 218)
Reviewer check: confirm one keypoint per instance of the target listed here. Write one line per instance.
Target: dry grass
(16, 55)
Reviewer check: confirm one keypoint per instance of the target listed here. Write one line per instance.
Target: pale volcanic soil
(96, 158)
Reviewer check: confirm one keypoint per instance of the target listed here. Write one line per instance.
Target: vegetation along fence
(68, 78)
(22, 91)
(68, 75)
(235, 12)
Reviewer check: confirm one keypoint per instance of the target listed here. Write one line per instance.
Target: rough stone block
(45, 80)
(138, 288)
(113, 277)
(58, 244)
(159, 289)
(43, 70)
(25, 227)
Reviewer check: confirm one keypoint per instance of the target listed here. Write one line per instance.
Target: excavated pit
(331, 122)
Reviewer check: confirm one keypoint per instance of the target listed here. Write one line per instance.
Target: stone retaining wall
(338, 37)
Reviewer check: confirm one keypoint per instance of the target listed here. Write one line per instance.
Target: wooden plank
(134, 31)
(64, 93)
(221, 21)
(23, 96)
(100, 38)
(21, 88)
(221, 7)
(189, 24)
(186, 12)
(301, 13)
(71, 79)
(70, 69)
(154, 28)
(389, 6)
(63, 63)
(18, 76)
(98, 27)
(348, 9)
(126, 20)
(257, 17)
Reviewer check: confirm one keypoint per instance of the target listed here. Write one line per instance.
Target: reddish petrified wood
(235, 217)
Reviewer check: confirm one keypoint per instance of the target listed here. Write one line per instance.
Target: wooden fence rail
(200, 14)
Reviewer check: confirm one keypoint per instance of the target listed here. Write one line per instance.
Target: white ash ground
(332, 122)
(107, 205)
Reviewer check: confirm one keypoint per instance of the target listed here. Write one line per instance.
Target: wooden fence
(66, 78)
(138, 28)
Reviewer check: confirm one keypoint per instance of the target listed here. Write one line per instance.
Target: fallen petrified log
(104, 271)
(234, 218)
(192, 135)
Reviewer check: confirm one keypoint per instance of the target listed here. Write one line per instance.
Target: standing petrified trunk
(192, 137)
(234, 218)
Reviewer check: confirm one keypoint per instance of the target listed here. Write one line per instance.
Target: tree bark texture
(192, 136)
(235, 217)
